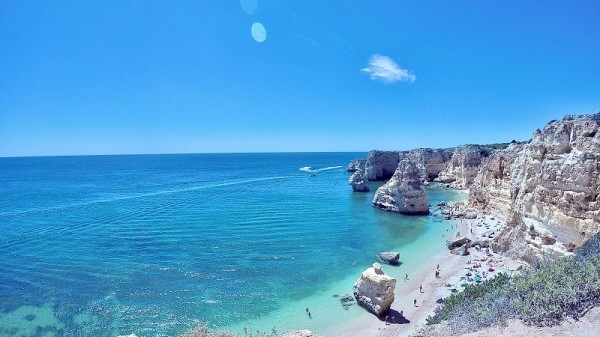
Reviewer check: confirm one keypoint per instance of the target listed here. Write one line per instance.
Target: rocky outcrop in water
(356, 164)
(404, 193)
(374, 290)
(550, 184)
(358, 181)
(392, 258)
(464, 165)
(381, 165)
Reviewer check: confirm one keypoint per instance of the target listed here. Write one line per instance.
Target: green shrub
(544, 296)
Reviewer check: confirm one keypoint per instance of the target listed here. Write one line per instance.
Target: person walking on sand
(406, 278)
(421, 288)
(415, 302)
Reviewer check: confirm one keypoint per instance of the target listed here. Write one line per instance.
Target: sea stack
(374, 290)
(358, 181)
(404, 193)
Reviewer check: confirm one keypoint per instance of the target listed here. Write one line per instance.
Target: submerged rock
(358, 181)
(346, 298)
(390, 257)
(404, 193)
(374, 290)
(298, 333)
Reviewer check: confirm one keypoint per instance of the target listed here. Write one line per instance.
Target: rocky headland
(547, 189)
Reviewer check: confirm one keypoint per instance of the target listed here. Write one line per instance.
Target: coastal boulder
(358, 181)
(374, 290)
(390, 257)
(404, 193)
(458, 242)
(461, 251)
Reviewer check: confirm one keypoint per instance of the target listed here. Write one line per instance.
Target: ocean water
(156, 244)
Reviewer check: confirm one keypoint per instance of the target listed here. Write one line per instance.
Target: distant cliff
(381, 165)
(547, 188)
(464, 165)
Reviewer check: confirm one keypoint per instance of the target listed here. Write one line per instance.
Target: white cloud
(383, 68)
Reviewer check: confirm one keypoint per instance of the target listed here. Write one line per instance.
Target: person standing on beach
(406, 278)
(415, 302)
(421, 288)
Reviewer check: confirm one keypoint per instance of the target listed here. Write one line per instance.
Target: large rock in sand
(458, 242)
(374, 290)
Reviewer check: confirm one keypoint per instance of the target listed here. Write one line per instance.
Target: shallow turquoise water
(153, 245)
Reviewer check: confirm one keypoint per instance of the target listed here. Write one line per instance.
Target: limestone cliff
(356, 164)
(380, 165)
(552, 183)
(463, 167)
(430, 162)
(404, 193)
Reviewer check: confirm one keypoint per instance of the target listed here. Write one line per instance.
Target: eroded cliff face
(380, 165)
(358, 181)
(430, 162)
(464, 165)
(552, 183)
(356, 164)
(404, 193)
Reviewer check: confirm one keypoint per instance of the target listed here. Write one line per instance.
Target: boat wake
(311, 170)
(139, 195)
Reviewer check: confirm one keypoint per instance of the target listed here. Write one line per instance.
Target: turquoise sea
(155, 244)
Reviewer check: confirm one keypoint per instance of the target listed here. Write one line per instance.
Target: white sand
(452, 268)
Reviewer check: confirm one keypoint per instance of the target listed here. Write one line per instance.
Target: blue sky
(112, 77)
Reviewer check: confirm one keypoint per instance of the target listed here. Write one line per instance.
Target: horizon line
(175, 153)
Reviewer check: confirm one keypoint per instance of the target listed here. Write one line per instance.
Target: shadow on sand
(394, 317)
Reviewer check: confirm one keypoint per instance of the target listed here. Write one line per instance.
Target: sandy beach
(408, 317)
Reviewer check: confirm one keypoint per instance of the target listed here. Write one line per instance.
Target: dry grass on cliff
(545, 296)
